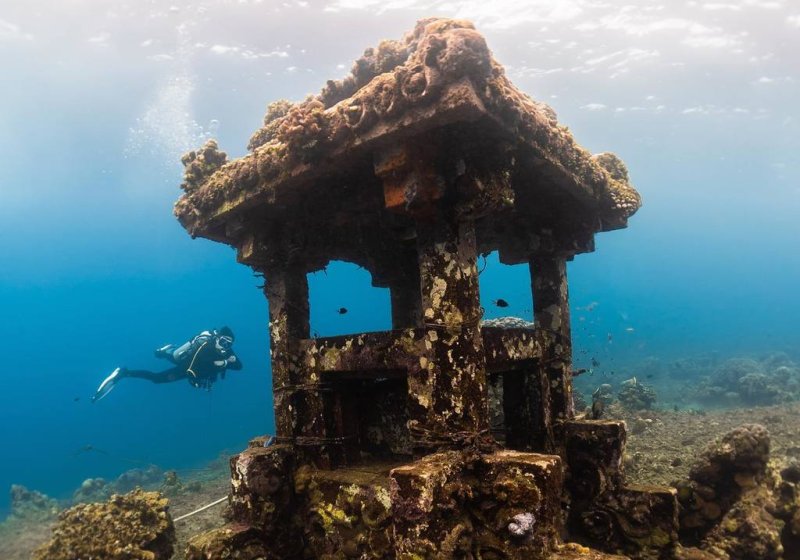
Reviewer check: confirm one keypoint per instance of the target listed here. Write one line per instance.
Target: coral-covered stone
(347, 511)
(505, 503)
(439, 75)
(262, 493)
(133, 526)
(238, 542)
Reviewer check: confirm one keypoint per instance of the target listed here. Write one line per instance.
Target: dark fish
(500, 303)
(675, 408)
(88, 448)
(76, 399)
(649, 376)
(595, 363)
(341, 310)
(578, 372)
(598, 406)
(597, 409)
(610, 338)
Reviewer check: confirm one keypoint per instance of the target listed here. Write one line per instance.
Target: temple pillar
(448, 390)
(528, 423)
(406, 299)
(551, 313)
(299, 406)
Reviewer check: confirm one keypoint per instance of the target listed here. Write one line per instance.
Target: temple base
(455, 504)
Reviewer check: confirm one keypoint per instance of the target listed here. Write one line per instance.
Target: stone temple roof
(327, 160)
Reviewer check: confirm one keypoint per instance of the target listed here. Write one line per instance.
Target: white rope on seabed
(198, 510)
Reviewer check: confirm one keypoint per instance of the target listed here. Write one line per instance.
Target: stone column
(405, 296)
(448, 391)
(526, 398)
(286, 288)
(551, 312)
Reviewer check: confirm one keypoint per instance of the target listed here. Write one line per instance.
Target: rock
(232, 541)
(791, 473)
(743, 451)
(92, 490)
(728, 506)
(748, 530)
(132, 478)
(31, 505)
(133, 526)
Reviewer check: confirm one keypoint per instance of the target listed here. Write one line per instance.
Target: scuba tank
(189, 349)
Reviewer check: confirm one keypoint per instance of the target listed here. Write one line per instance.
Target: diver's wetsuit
(200, 361)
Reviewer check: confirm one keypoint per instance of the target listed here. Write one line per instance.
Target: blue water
(96, 272)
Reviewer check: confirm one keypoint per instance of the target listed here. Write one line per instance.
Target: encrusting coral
(133, 526)
(636, 396)
(386, 85)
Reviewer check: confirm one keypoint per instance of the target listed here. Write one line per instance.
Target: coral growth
(773, 380)
(134, 526)
(275, 111)
(393, 88)
(172, 485)
(200, 164)
(635, 395)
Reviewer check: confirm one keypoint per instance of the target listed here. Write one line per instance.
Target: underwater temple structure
(442, 437)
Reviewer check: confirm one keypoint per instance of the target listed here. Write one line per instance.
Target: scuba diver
(200, 360)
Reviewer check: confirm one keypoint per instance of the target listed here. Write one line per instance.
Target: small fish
(84, 449)
(500, 303)
(675, 408)
(630, 329)
(591, 307)
(341, 310)
(595, 363)
(649, 376)
(610, 338)
(578, 372)
(76, 399)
